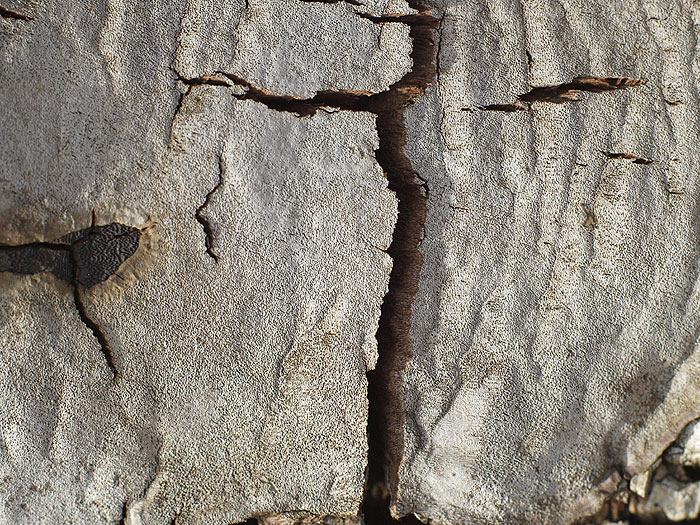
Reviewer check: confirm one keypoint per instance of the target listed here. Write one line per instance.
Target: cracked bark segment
(242, 384)
(551, 361)
(277, 46)
(82, 258)
(291, 230)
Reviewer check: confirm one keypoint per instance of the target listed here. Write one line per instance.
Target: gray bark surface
(236, 235)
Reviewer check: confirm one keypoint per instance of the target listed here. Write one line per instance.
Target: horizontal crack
(566, 92)
(204, 80)
(508, 108)
(347, 100)
(9, 13)
(627, 156)
(351, 2)
(414, 19)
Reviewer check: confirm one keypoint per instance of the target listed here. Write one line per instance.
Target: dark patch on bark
(82, 258)
(86, 257)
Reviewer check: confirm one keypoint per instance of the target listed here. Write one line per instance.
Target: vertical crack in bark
(387, 404)
(95, 329)
(386, 420)
(206, 225)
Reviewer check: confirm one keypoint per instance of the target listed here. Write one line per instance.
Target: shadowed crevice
(206, 225)
(567, 91)
(627, 156)
(562, 93)
(351, 2)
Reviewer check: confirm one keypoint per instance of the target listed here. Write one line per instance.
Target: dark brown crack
(411, 20)
(351, 2)
(627, 156)
(204, 80)
(567, 91)
(302, 107)
(8, 13)
(508, 108)
(206, 225)
(82, 258)
(386, 419)
(387, 403)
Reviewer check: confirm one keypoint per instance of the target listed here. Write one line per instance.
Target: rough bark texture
(555, 330)
(323, 261)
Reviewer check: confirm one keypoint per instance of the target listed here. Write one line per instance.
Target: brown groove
(386, 418)
(566, 92)
(508, 108)
(206, 225)
(9, 13)
(351, 2)
(387, 403)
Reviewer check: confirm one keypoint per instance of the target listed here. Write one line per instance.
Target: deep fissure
(386, 417)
